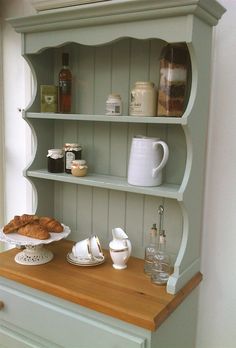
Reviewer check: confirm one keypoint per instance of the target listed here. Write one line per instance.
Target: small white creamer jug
(120, 248)
(148, 156)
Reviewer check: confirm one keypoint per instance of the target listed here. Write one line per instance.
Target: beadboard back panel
(98, 71)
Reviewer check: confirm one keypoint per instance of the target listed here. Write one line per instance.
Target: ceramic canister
(148, 156)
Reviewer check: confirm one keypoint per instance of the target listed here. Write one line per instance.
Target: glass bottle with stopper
(161, 265)
(150, 250)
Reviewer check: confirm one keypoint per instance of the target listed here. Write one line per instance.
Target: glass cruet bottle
(150, 249)
(161, 265)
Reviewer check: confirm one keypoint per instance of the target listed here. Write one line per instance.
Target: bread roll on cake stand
(34, 252)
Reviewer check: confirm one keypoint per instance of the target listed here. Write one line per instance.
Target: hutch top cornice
(118, 11)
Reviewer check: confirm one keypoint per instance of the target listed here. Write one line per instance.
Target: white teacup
(88, 248)
(95, 246)
(82, 249)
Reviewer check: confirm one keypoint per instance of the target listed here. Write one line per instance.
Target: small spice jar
(114, 105)
(72, 152)
(143, 99)
(55, 161)
(79, 168)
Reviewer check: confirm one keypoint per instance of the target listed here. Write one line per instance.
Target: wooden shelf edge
(178, 299)
(119, 294)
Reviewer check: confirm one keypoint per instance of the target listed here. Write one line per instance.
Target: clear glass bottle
(150, 250)
(161, 265)
(65, 85)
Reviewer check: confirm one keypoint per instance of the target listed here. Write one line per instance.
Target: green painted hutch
(113, 44)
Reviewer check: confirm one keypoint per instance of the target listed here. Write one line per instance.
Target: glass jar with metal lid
(73, 151)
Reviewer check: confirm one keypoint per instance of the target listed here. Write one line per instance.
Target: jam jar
(55, 161)
(73, 152)
(79, 168)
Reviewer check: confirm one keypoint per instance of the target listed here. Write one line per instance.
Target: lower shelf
(109, 182)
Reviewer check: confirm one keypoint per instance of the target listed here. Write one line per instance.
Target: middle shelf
(106, 118)
(109, 182)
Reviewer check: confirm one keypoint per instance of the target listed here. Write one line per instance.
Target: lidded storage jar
(114, 105)
(143, 99)
(55, 161)
(174, 69)
(72, 152)
(79, 168)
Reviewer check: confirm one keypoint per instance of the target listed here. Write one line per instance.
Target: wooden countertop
(127, 295)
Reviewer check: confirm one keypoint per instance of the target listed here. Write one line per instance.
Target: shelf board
(105, 118)
(109, 182)
(125, 295)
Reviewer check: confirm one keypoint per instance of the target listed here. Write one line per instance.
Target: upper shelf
(105, 118)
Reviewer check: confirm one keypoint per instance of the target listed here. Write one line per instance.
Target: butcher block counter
(127, 295)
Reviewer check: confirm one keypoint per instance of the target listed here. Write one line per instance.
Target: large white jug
(147, 161)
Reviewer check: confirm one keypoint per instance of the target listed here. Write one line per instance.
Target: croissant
(18, 222)
(34, 230)
(51, 224)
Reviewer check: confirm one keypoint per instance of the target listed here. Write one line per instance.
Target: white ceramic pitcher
(120, 248)
(147, 161)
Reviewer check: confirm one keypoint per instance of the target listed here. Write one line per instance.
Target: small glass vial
(161, 265)
(114, 105)
(143, 99)
(150, 250)
(55, 161)
(72, 152)
(79, 168)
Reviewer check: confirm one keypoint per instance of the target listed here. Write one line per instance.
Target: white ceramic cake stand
(34, 252)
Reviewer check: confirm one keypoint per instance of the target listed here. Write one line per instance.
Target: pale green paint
(112, 45)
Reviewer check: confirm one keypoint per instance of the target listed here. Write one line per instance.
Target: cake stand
(34, 252)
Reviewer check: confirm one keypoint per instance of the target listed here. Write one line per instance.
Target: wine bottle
(65, 85)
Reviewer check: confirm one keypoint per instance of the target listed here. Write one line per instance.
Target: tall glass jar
(174, 70)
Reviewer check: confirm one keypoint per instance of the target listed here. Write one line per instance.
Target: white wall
(17, 134)
(217, 303)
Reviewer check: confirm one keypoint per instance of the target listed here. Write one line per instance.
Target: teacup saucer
(95, 261)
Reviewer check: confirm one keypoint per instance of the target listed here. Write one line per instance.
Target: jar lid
(74, 146)
(79, 162)
(145, 83)
(55, 152)
(114, 95)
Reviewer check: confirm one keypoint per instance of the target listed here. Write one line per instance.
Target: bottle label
(113, 108)
(65, 87)
(70, 156)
